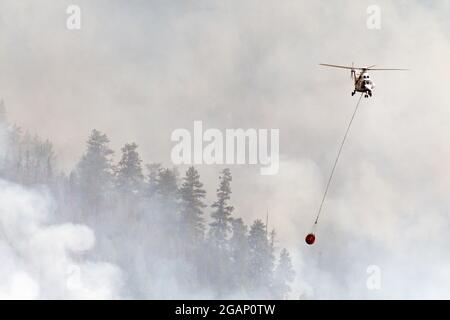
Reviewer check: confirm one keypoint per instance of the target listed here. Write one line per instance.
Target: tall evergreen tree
(12, 153)
(167, 185)
(163, 211)
(219, 261)
(3, 116)
(167, 198)
(192, 205)
(152, 181)
(94, 171)
(284, 274)
(38, 161)
(220, 225)
(239, 251)
(129, 176)
(261, 259)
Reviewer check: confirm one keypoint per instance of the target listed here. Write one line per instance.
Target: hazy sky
(137, 70)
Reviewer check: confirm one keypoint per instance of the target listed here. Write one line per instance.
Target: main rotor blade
(358, 68)
(337, 66)
(382, 69)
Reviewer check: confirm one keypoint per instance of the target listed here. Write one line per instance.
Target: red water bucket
(310, 238)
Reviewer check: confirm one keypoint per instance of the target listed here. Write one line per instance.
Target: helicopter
(361, 78)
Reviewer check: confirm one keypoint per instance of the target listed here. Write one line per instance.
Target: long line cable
(336, 160)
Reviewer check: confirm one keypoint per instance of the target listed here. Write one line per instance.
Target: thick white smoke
(41, 260)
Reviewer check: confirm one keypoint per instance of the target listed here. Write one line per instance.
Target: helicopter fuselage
(363, 83)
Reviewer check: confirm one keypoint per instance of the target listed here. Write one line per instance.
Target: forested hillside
(152, 222)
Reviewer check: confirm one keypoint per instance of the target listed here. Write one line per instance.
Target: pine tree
(163, 211)
(239, 250)
(154, 170)
(192, 205)
(167, 186)
(220, 226)
(284, 274)
(129, 177)
(94, 171)
(165, 199)
(261, 260)
(39, 159)
(12, 156)
(28, 170)
(3, 116)
(219, 260)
